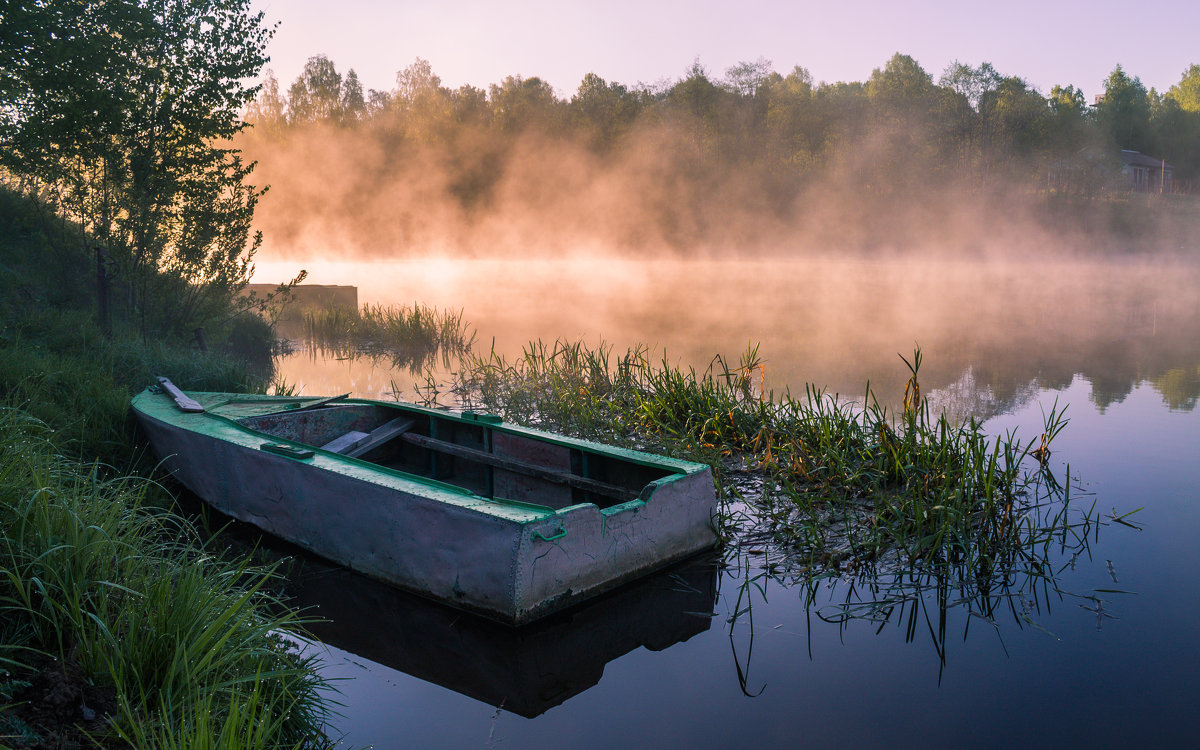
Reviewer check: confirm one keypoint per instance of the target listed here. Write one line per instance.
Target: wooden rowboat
(490, 517)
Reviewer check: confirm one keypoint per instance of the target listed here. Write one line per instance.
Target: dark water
(1106, 657)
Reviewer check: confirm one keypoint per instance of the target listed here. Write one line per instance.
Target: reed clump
(836, 482)
(412, 337)
(93, 578)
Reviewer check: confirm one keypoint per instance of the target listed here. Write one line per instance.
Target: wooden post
(102, 292)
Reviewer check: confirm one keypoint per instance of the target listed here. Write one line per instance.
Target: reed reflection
(1017, 583)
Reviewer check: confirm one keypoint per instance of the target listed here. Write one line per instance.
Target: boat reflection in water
(526, 670)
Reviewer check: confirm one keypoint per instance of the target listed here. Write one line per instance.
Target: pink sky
(480, 42)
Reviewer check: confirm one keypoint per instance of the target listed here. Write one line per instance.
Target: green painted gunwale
(222, 410)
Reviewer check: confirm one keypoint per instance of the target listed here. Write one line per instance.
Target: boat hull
(495, 558)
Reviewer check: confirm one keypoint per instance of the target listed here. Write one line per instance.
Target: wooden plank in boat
(346, 442)
(379, 436)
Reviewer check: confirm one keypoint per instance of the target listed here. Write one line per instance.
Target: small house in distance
(1145, 174)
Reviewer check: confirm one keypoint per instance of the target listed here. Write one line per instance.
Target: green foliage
(119, 114)
(1124, 112)
(519, 104)
(746, 78)
(191, 643)
(267, 113)
(352, 103)
(971, 83)
(413, 337)
(608, 110)
(901, 82)
(251, 339)
(910, 483)
(1186, 93)
(1175, 122)
(416, 86)
(64, 87)
(1018, 118)
(316, 96)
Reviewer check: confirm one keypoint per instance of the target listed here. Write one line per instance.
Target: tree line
(971, 125)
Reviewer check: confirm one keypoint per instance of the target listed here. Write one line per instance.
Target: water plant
(842, 481)
(912, 513)
(411, 337)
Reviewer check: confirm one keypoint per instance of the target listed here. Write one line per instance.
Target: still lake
(1106, 657)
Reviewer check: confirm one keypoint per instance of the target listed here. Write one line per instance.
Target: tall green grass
(92, 574)
(412, 337)
(57, 366)
(54, 359)
(93, 571)
(916, 512)
(841, 482)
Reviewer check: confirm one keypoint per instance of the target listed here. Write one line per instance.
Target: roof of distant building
(1138, 159)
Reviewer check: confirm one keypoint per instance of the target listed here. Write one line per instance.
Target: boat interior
(465, 451)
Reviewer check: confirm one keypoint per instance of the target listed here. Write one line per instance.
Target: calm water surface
(666, 663)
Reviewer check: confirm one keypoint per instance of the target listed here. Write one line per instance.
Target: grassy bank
(118, 604)
(120, 627)
(57, 363)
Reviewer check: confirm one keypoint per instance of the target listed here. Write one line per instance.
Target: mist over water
(1119, 342)
(835, 255)
(990, 331)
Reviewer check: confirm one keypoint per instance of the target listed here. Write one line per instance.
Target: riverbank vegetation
(115, 120)
(125, 236)
(969, 161)
(117, 620)
(906, 511)
(842, 481)
(410, 337)
(136, 631)
(61, 365)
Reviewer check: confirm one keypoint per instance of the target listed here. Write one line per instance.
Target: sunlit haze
(479, 43)
(835, 229)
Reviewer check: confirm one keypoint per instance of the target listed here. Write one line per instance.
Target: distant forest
(704, 158)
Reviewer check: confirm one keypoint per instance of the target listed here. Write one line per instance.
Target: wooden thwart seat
(343, 443)
(355, 443)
